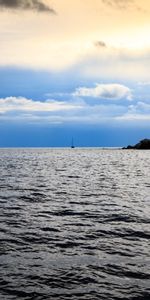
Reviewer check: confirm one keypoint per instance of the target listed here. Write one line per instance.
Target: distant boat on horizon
(72, 144)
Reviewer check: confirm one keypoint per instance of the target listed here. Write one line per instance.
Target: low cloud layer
(105, 91)
(75, 111)
(26, 5)
(20, 109)
(22, 104)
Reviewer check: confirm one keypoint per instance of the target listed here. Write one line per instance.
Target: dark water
(74, 224)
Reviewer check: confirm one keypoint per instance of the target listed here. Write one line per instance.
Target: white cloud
(144, 83)
(105, 91)
(134, 117)
(75, 111)
(139, 113)
(28, 105)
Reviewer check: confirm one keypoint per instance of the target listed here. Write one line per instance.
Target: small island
(142, 145)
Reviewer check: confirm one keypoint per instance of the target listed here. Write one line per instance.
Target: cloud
(20, 109)
(26, 5)
(140, 112)
(76, 111)
(144, 83)
(134, 118)
(100, 44)
(119, 63)
(121, 4)
(112, 91)
(28, 105)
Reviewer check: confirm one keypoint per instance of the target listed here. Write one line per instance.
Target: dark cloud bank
(26, 5)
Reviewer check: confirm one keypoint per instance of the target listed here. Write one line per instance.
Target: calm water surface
(74, 224)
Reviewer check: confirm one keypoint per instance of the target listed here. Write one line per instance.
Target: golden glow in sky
(48, 40)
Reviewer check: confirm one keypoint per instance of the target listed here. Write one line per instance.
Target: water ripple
(74, 224)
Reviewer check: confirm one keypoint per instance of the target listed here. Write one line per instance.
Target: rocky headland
(143, 145)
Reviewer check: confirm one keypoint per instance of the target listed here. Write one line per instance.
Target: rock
(130, 147)
(143, 144)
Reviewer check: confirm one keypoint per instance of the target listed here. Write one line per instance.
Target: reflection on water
(74, 224)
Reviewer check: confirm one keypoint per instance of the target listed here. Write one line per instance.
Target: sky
(74, 68)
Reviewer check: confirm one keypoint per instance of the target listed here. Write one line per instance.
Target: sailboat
(72, 144)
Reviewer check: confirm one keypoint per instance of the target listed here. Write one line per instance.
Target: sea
(74, 224)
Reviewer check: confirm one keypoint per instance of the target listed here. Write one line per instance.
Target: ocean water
(74, 224)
